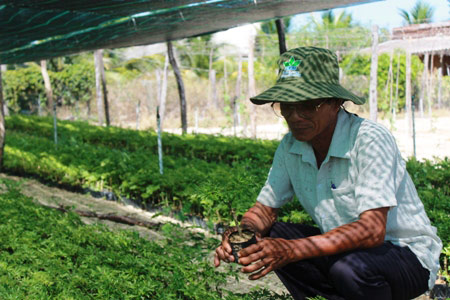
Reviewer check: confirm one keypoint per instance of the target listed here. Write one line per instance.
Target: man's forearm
(367, 232)
(260, 218)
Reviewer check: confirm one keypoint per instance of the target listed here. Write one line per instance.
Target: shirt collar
(340, 142)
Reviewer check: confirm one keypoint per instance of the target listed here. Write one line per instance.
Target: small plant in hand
(240, 239)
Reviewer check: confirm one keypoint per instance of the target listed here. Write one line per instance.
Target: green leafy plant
(205, 176)
(47, 254)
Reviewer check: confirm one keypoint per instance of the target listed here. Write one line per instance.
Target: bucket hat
(306, 73)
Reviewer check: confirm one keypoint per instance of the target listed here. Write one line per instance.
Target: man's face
(310, 120)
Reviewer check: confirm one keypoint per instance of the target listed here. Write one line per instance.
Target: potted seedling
(241, 238)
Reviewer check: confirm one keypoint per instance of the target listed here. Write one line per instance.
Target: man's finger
(216, 260)
(222, 255)
(260, 274)
(226, 246)
(246, 260)
(254, 267)
(250, 250)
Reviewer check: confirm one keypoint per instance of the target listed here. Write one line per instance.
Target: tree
(357, 70)
(335, 31)
(100, 85)
(330, 21)
(270, 27)
(48, 85)
(180, 85)
(421, 12)
(195, 53)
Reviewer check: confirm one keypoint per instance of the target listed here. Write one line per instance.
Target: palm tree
(330, 21)
(269, 27)
(333, 30)
(421, 12)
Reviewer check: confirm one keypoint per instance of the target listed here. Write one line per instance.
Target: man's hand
(223, 252)
(267, 255)
(270, 254)
(259, 218)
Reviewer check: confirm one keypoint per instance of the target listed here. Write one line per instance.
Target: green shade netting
(31, 30)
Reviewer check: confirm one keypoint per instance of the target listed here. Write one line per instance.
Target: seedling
(241, 238)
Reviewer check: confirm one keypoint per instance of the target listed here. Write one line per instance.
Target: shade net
(31, 30)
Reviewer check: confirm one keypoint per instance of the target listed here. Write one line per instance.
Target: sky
(384, 13)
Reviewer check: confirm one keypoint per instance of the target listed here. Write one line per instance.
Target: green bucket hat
(307, 73)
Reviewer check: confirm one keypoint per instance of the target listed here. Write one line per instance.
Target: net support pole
(55, 123)
(160, 154)
(2, 122)
(373, 102)
(413, 108)
(281, 36)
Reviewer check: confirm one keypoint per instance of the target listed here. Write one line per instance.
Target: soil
(240, 238)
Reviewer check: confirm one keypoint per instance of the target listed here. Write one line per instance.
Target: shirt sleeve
(379, 169)
(278, 188)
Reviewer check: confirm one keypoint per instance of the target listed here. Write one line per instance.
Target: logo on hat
(290, 68)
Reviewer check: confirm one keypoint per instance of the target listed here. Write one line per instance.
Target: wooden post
(148, 85)
(388, 86)
(213, 89)
(212, 81)
(373, 76)
(55, 124)
(98, 85)
(441, 63)
(396, 87)
(2, 123)
(101, 90)
(408, 93)
(391, 82)
(251, 84)
(237, 96)
(160, 152)
(424, 83)
(196, 120)
(225, 75)
(162, 91)
(413, 126)
(430, 87)
(281, 36)
(180, 85)
(104, 91)
(138, 113)
(47, 84)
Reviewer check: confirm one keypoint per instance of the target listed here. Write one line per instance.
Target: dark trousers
(385, 272)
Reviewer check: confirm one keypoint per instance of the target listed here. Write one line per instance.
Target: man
(374, 239)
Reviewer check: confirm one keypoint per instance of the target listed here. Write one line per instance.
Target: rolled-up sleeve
(278, 188)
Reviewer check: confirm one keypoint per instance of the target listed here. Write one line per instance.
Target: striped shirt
(363, 170)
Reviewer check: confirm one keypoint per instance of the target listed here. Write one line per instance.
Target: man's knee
(354, 280)
(277, 230)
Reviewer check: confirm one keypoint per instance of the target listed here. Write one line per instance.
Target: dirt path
(52, 196)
